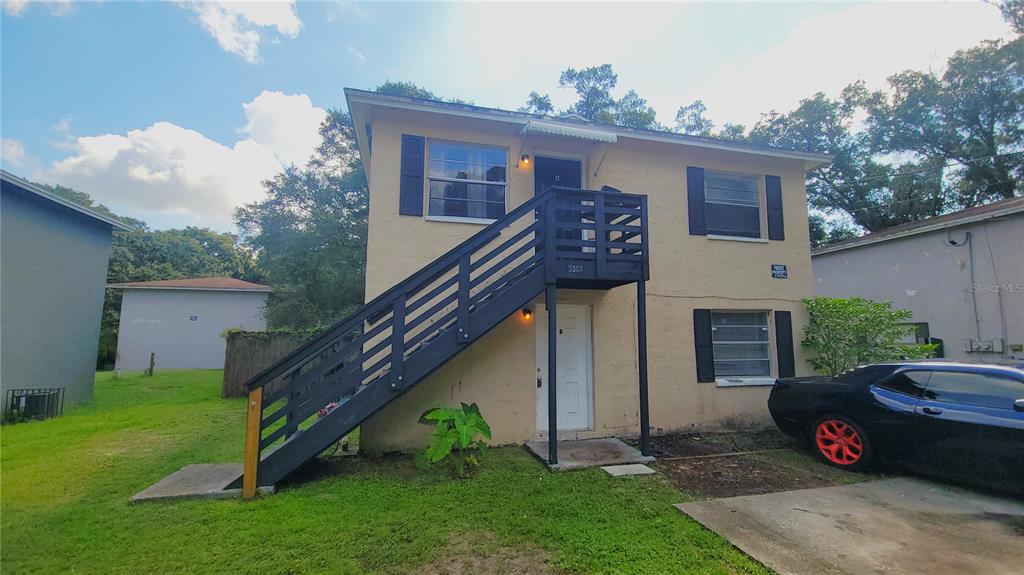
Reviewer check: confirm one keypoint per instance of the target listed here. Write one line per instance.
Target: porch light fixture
(527, 313)
(524, 160)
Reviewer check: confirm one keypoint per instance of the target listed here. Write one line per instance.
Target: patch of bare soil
(734, 475)
(687, 444)
(487, 557)
(730, 464)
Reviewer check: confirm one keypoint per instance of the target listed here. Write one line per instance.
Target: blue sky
(173, 111)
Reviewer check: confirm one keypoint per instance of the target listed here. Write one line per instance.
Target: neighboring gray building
(181, 321)
(53, 266)
(961, 274)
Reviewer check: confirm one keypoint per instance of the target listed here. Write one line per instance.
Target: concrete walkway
(891, 526)
(583, 453)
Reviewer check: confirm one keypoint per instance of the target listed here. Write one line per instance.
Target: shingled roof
(210, 283)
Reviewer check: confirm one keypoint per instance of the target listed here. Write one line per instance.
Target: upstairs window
(466, 181)
(732, 205)
(740, 341)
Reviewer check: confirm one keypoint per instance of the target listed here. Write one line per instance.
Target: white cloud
(55, 7)
(827, 52)
(173, 176)
(287, 124)
(14, 7)
(674, 53)
(358, 56)
(238, 26)
(12, 153)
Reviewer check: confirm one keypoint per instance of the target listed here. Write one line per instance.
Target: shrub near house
(846, 332)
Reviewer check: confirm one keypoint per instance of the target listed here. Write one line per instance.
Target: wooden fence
(250, 352)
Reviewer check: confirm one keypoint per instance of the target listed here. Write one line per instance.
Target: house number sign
(779, 271)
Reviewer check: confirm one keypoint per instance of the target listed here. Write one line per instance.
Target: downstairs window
(741, 346)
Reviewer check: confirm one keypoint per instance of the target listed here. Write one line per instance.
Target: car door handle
(931, 410)
(1018, 405)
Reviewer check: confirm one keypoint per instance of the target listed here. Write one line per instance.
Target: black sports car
(961, 421)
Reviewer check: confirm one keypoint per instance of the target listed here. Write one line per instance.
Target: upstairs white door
(575, 372)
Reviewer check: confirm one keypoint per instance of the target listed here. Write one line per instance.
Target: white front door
(574, 371)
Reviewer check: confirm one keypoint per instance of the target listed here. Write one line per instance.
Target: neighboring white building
(961, 274)
(181, 321)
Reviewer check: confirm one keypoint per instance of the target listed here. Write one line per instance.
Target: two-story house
(675, 265)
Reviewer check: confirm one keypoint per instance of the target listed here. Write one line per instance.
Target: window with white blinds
(741, 345)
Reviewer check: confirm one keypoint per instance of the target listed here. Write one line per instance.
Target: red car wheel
(841, 443)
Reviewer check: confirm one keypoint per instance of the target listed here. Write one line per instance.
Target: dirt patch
(715, 465)
(485, 556)
(733, 475)
(687, 444)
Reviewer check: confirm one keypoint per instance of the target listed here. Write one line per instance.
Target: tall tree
(310, 232)
(593, 87)
(83, 199)
(690, 120)
(855, 181)
(971, 116)
(537, 104)
(595, 102)
(407, 89)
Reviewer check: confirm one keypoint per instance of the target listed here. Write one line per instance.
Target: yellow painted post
(252, 443)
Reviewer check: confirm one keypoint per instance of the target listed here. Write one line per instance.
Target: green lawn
(65, 483)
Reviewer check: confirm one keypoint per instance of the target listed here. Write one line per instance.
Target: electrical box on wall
(983, 346)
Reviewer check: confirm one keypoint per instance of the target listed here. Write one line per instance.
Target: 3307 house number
(575, 268)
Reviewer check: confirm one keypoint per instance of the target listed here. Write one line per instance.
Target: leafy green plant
(846, 332)
(456, 432)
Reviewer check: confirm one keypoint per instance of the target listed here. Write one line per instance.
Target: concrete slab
(898, 525)
(200, 480)
(631, 469)
(583, 453)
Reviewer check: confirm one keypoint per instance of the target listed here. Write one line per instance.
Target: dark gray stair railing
(324, 389)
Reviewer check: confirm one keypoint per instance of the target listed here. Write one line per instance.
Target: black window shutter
(702, 345)
(784, 343)
(695, 200)
(773, 193)
(410, 191)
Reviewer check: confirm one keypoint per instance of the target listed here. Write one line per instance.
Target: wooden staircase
(569, 238)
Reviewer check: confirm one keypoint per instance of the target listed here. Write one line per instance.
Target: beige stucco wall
(499, 371)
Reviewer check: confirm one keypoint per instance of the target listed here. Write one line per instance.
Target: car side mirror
(1018, 405)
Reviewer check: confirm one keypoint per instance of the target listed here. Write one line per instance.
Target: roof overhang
(546, 128)
(129, 286)
(868, 240)
(359, 102)
(43, 193)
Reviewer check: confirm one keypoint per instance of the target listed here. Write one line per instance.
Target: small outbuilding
(182, 321)
(54, 265)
